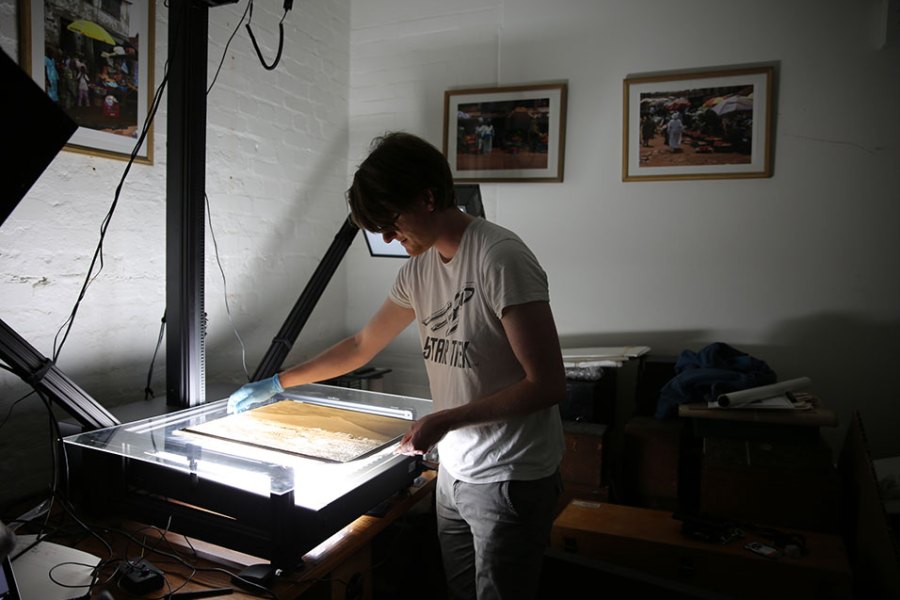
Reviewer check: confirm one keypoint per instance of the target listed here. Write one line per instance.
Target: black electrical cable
(269, 67)
(148, 391)
(225, 288)
(227, 44)
(98, 252)
(11, 407)
(55, 438)
(60, 462)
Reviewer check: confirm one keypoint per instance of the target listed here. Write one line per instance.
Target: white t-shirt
(458, 307)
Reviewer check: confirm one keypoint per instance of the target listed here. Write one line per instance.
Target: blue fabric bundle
(703, 376)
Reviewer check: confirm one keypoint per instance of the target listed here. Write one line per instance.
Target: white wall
(799, 269)
(276, 168)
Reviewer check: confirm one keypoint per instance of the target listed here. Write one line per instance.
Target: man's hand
(254, 393)
(423, 435)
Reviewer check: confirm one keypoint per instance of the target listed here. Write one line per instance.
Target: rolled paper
(763, 392)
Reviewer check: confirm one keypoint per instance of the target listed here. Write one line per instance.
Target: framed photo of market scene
(95, 59)
(514, 133)
(698, 125)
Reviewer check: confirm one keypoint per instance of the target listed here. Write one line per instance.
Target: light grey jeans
(493, 535)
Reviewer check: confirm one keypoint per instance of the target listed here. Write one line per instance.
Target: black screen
(8, 589)
(468, 197)
(35, 129)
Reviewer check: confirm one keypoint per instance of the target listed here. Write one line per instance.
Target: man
(648, 130)
(674, 132)
(481, 303)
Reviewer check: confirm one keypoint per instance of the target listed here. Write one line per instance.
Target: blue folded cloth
(702, 376)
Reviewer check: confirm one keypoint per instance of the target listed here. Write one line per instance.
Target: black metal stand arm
(39, 372)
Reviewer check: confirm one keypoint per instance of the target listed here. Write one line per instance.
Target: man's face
(414, 228)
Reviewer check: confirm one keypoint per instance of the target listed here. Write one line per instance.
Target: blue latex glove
(254, 393)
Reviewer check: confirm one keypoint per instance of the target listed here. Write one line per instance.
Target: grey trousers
(493, 535)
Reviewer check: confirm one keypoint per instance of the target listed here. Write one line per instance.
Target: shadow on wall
(291, 260)
(850, 360)
(661, 343)
(25, 438)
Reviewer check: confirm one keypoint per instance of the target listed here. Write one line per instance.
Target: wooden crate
(650, 541)
(778, 483)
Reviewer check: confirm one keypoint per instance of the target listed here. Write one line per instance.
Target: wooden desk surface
(193, 565)
(602, 525)
(813, 417)
(651, 541)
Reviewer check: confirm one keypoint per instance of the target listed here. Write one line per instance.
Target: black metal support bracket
(185, 204)
(39, 372)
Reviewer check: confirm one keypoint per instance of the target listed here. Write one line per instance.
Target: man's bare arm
(354, 351)
(532, 335)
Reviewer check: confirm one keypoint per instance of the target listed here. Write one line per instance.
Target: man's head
(400, 171)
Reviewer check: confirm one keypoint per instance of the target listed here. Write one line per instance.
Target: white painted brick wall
(276, 174)
(404, 54)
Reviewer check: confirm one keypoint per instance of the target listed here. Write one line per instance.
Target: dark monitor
(8, 588)
(378, 247)
(468, 198)
(35, 129)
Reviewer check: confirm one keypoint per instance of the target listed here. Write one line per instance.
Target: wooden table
(340, 564)
(815, 416)
(752, 423)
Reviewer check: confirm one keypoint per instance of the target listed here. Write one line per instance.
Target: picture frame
(506, 134)
(98, 65)
(724, 127)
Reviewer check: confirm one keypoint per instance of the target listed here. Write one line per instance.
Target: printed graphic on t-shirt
(443, 322)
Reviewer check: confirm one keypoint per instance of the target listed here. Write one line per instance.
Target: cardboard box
(650, 541)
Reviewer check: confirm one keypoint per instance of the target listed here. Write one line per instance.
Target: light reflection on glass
(314, 483)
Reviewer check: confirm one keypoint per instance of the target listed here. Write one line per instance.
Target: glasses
(389, 226)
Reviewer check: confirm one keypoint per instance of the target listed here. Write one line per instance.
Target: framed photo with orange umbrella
(710, 124)
(95, 59)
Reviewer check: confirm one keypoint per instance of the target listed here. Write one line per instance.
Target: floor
(406, 560)
(406, 566)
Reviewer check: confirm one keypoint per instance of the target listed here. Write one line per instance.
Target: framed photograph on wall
(698, 125)
(95, 59)
(514, 133)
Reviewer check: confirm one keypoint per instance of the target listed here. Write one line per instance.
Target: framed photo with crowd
(95, 59)
(514, 133)
(713, 124)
